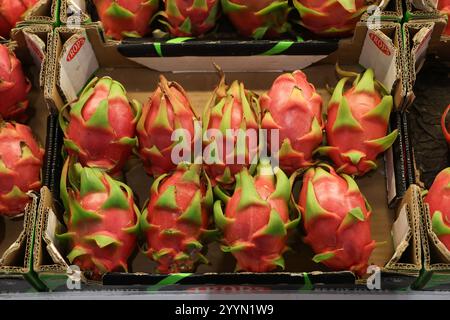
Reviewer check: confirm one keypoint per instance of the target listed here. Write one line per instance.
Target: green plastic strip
(179, 39)
(308, 284)
(278, 48)
(157, 46)
(169, 280)
(54, 281)
(438, 280)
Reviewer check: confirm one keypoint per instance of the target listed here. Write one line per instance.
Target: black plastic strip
(144, 48)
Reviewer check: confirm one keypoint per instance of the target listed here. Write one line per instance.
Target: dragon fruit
(336, 219)
(444, 7)
(190, 18)
(256, 219)
(438, 200)
(101, 130)
(229, 121)
(330, 17)
(176, 217)
(167, 110)
(126, 18)
(291, 98)
(14, 86)
(12, 12)
(20, 167)
(101, 218)
(357, 122)
(445, 126)
(258, 19)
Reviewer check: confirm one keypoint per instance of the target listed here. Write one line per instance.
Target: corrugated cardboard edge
(17, 35)
(44, 12)
(413, 209)
(396, 15)
(427, 12)
(24, 239)
(64, 14)
(409, 29)
(42, 241)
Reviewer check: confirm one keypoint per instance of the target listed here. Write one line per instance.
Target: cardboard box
(398, 261)
(429, 59)
(44, 12)
(225, 41)
(17, 234)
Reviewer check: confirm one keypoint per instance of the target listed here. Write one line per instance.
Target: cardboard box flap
(380, 54)
(425, 5)
(74, 12)
(420, 44)
(36, 46)
(40, 8)
(49, 229)
(17, 255)
(405, 239)
(76, 65)
(33, 42)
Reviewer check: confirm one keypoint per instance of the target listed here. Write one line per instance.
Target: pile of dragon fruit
(20, 154)
(256, 19)
(250, 208)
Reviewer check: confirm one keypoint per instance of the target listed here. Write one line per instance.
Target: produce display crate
(17, 234)
(81, 53)
(224, 41)
(430, 81)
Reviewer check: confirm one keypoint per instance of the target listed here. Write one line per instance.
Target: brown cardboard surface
(140, 82)
(15, 234)
(43, 12)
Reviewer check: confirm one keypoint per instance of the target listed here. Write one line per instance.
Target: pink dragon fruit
(176, 217)
(438, 200)
(12, 12)
(256, 219)
(126, 18)
(101, 218)
(234, 113)
(258, 19)
(357, 123)
(20, 167)
(190, 18)
(14, 86)
(101, 131)
(167, 110)
(336, 219)
(291, 98)
(330, 17)
(444, 8)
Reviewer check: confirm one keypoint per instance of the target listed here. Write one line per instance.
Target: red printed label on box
(380, 44)
(75, 48)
